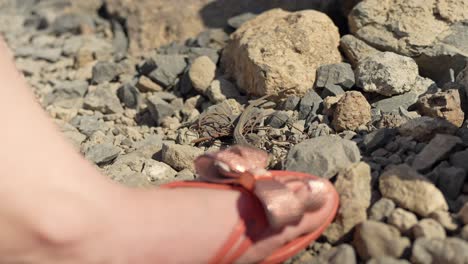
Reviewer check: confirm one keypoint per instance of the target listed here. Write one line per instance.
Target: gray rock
(222, 89)
(463, 214)
(395, 102)
(105, 71)
(290, 103)
(436, 250)
(160, 109)
(195, 52)
(70, 23)
(343, 253)
(335, 74)
(201, 73)
(354, 187)
(425, 128)
(460, 159)
(165, 68)
(381, 209)
(120, 41)
(66, 90)
(378, 138)
(428, 228)
(310, 105)
(236, 21)
(410, 190)
(129, 95)
(278, 119)
(450, 181)
(180, 157)
(373, 239)
(323, 156)
(102, 153)
(88, 124)
(104, 100)
(402, 219)
(158, 172)
(437, 149)
(48, 54)
(332, 90)
(355, 49)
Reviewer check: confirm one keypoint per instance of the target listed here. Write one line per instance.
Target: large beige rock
(412, 191)
(430, 31)
(152, 23)
(354, 187)
(280, 50)
(443, 104)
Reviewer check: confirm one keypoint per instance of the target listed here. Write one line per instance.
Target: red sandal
(270, 200)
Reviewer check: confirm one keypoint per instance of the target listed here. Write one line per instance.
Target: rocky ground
(375, 103)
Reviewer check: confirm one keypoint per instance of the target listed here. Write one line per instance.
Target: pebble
(437, 250)
(374, 239)
(180, 157)
(278, 119)
(158, 172)
(102, 153)
(310, 105)
(381, 209)
(353, 185)
(159, 108)
(129, 96)
(221, 89)
(323, 156)
(377, 139)
(438, 148)
(145, 84)
(104, 71)
(201, 73)
(343, 253)
(402, 219)
(103, 99)
(428, 228)
(351, 112)
(410, 190)
(164, 69)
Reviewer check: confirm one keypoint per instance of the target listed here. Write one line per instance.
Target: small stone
(443, 104)
(343, 253)
(373, 239)
(332, 90)
(48, 54)
(88, 124)
(353, 185)
(66, 90)
(201, 73)
(351, 112)
(185, 175)
(381, 209)
(102, 153)
(104, 100)
(310, 105)
(158, 172)
(395, 102)
(450, 181)
(129, 95)
(355, 49)
(164, 69)
(437, 250)
(215, 38)
(437, 149)
(340, 74)
(145, 84)
(386, 73)
(428, 228)
(402, 219)
(410, 190)
(180, 157)
(195, 52)
(323, 156)
(71, 23)
(425, 128)
(160, 109)
(278, 119)
(378, 138)
(445, 219)
(221, 89)
(105, 71)
(237, 21)
(460, 159)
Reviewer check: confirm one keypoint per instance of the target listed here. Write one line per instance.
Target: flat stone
(373, 239)
(103, 99)
(428, 228)
(323, 156)
(160, 109)
(437, 149)
(437, 250)
(105, 71)
(450, 181)
(166, 68)
(145, 84)
(354, 188)
(180, 157)
(335, 74)
(402, 219)
(102, 153)
(310, 105)
(381, 209)
(237, 21)
(290, 103)
(425, 128)
(395, 102)
(410, 190)
(280, 46)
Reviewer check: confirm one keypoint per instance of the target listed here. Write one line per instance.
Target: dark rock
(129, 95)
(105, 71)
(290, 104)
(323, 156)
(278, 119)
(310, 105)
(102, 153)
(332, 90)
(460, 159)
(104, 100)
(236, 21)
(339, 74)
(395, 102)
(437, 149)
(425, 128)
(164, 69)
(378, 138)
(451, 181)
(159, 109)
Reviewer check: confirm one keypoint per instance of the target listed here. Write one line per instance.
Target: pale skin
(55, 207)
